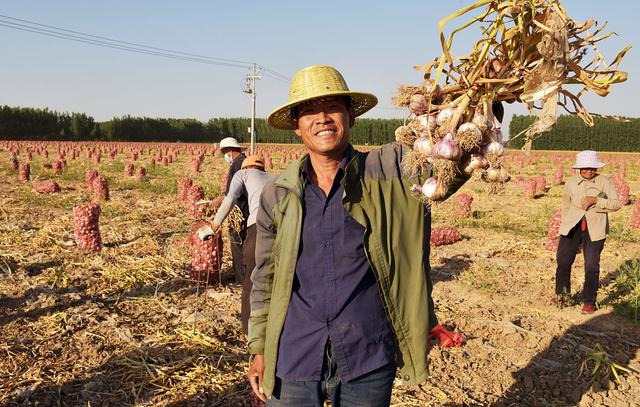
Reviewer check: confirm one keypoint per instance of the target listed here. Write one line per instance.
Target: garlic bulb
(418, 104)
(468, 136)
(423, 145)
(447, 148)
(430, 189)
(426, 123)
(476, 162)
(494, 148)
(444, 116)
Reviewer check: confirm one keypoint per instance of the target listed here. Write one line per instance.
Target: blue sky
(373, 43)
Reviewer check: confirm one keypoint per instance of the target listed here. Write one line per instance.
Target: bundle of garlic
(529, 51)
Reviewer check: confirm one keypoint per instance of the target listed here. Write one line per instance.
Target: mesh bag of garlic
(530, 52)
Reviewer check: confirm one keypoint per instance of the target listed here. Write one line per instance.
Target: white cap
(587, 159)
(229, 142)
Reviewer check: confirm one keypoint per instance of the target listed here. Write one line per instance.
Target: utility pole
(250, 89)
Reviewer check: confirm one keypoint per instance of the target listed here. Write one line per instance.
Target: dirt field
(125, 326)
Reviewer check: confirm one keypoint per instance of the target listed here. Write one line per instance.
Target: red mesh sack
(444, 235)
(47, 187)
(206, 257)
(24, 172)
(86, 229)
(553, 234)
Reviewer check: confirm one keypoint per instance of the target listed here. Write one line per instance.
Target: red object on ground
(463, 206)
(86, 229)
(206, 257)
(24, 172)
(89, 177)
(444, 235)
(141, 172)
(183, 188)
(101, 188)
(553, 236)
(128, 170)
(446, 338)
(47, 187)
(195, 194)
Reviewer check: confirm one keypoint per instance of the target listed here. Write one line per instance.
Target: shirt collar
(592, 180)
(348, 154)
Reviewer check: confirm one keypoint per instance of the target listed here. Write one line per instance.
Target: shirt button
(327, 245)
(406, 378)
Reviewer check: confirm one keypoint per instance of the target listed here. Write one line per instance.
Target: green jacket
(396, 241)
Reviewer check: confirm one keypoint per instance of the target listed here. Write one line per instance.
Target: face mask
(228, 158)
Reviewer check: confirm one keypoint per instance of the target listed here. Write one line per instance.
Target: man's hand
(255, 374)
(588, 201)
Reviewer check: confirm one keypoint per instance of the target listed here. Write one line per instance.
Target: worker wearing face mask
(233, 155)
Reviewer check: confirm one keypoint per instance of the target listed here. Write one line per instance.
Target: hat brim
(236, 146)
(361, 103)
(597, 164)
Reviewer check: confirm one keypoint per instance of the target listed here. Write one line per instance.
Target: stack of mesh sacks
(86, 227)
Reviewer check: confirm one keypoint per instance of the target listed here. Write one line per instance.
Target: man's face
(323, 125)
(588, 173)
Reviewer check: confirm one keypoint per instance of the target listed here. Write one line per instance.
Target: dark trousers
(249, 254)
(237, 240)
(566, 254)
(369, 390)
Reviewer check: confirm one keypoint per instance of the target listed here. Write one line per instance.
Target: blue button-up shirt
(335, 295)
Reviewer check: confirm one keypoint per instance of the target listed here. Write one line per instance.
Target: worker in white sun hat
(588, 198)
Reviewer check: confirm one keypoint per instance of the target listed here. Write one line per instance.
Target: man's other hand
(255, 375)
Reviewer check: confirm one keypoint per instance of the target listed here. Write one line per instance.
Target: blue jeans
(372, 389)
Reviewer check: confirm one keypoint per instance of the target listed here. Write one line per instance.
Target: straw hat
(253, 160)
(587, 159)
(317, 82)
(229, 142)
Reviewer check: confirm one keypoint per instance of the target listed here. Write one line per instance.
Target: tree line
(24, 123)
(572, 134)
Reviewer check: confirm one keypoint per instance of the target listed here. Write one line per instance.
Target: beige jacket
(577, 188)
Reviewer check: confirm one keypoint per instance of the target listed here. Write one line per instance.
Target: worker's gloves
(446, 338)
(205, 233)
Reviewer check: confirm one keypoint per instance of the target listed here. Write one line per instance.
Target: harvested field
(125, 325)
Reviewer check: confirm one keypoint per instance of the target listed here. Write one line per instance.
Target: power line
(106, 42)
(128, 43)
